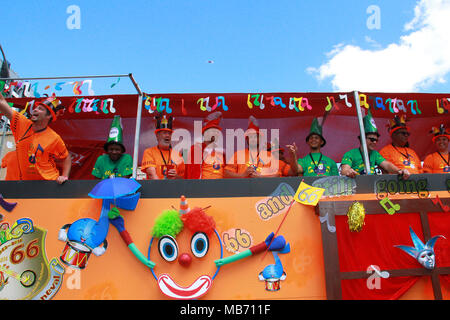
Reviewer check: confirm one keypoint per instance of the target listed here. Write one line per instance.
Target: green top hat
(316, 129)
(369, 124)
(115, 134)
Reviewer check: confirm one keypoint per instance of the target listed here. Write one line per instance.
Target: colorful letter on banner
(308, 195)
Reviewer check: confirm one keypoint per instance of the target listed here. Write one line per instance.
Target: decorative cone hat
(397, 123)
(212, 121)
(115, 134)
(184, 208)
(440, 132)
(163, 123)
(253, 126)
(316, 129)
(369, 124)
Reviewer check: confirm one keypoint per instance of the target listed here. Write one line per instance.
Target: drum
(272, 284)
(75, 255)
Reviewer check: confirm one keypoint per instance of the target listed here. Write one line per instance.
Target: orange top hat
(163, 124)
(439, 132)
(397, 123)
(212, 121)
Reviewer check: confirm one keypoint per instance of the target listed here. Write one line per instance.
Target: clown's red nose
(185, 260)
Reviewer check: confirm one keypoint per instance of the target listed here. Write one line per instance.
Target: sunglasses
(405, 133)
(373, 139)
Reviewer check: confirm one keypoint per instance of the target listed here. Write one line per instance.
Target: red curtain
(374, 245)
(440, 225)
(84, 155)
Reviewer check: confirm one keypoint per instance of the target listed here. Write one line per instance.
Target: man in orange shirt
(249, 163)
(398, 152)
(439, 161)
(39, 149)
(158, 162)
(211, 165)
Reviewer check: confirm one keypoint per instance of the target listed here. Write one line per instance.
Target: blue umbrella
(114, 188)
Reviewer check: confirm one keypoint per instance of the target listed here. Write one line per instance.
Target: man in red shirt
(439, 161)
(39, 149)
(398, 152)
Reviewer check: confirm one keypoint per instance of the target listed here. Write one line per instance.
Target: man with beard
(115, 163)
(39, 149)
(352, 163)
(158, 162)
(315, 164)
(439, 161)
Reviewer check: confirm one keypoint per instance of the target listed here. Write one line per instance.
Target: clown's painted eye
(199, 244)
(168, 248)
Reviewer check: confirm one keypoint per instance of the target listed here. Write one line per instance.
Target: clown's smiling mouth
(198, 288)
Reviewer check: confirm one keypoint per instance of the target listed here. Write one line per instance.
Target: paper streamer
(114, 84)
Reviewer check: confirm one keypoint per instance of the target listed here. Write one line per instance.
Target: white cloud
(418, 60)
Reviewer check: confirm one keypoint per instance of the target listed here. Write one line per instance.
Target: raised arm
(5, 108)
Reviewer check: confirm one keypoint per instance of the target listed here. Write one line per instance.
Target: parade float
(372, 237)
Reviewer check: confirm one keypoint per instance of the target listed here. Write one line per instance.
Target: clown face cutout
(184, 253)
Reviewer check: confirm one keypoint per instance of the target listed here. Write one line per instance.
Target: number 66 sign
(308, 195)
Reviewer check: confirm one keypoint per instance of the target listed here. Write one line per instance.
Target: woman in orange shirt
(439, 161)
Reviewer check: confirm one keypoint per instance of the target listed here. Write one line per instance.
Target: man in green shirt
(315, 164)
(115, 163)
(352, 163)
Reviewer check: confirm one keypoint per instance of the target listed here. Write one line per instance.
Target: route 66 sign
(25, 272)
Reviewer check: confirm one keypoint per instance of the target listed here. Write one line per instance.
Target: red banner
(88, 119)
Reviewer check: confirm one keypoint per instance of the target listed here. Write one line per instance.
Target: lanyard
(448, 158)
(407, 156)
(162, 156)
(318, 162)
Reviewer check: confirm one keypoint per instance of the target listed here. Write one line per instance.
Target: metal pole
(138, 126)
(75, 77)
(362, 133)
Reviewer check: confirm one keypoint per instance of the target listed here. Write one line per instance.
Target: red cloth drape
(374, 245)
(440, 225)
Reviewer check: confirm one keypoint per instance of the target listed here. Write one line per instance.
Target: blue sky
(255, 46)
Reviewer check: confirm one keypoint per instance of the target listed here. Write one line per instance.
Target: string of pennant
(28, 89)
(254, 100)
